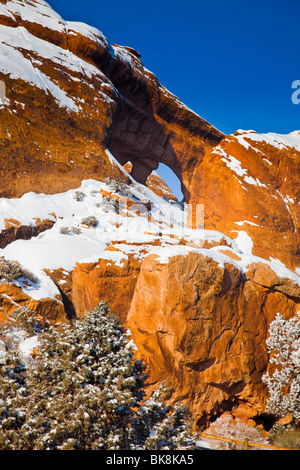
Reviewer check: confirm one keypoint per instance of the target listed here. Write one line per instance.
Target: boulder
(202, 329)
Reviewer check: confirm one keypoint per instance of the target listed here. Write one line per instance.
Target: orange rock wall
(266, 198)
(202, 330)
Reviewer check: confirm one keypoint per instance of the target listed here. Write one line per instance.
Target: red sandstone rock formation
(202, 329)
(70, 95)
(13, 297)
(250, 183)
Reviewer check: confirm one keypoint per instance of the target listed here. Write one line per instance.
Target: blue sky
(233, 62)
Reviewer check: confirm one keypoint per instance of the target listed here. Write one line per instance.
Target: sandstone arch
(152, 126)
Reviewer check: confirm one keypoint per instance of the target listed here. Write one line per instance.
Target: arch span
(152, 126)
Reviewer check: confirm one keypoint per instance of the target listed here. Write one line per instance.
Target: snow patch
(242, 222)
(27, 346)
(234, 165)
(280, 141)
(244, 242)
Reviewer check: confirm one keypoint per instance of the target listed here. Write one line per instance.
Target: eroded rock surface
(201, 328)
(249, 186)
(69, 95)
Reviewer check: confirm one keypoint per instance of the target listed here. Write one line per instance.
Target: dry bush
(79, 196)
(285, 436)
(72, 230)
(108, 205)
(10, 271)
(118, 187)
(90, 221)
(230, 428)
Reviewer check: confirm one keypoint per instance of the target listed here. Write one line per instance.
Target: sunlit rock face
(69, 95)
(249, 185)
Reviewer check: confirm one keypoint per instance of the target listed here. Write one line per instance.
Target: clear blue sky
(231, 61)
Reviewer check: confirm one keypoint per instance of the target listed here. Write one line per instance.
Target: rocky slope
(83, 217)
(249, 185)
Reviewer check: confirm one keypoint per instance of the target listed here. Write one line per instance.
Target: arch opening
(171, 179)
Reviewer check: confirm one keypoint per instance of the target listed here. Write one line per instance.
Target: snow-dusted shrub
(9, 270)
(75, 230)
(27, 320)
(225, 426)
(284, 382)
(64, 230)
(85, 372)
(13, 395)
(286, 436)
(94, 193)
(72, 230)
(108, 204)
(79, 196)
(90, 221)
(171, 427)
(118, 187)
(9, 336)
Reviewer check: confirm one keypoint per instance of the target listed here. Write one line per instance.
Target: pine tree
(172, 432)
(86, 392)
(84, 386)
(160, 426)
(12, 400)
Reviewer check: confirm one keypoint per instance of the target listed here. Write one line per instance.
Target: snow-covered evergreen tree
(85, 392)
(84, 386)
(12, 400)
(284, 382)
(160, 426)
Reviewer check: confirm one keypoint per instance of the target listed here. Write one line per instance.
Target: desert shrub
(79, 196)
(90, 221)
(108, 204)
(285, 436)
(9, 270)
(75, 230)
(225, 426)
(94, 193)
(72, 230)
(118, 187)
(25, 319)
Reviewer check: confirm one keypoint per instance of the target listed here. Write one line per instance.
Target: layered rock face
(200, 323)
(86, 218)
(70, 94)
(51, 111)
(249, 185)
